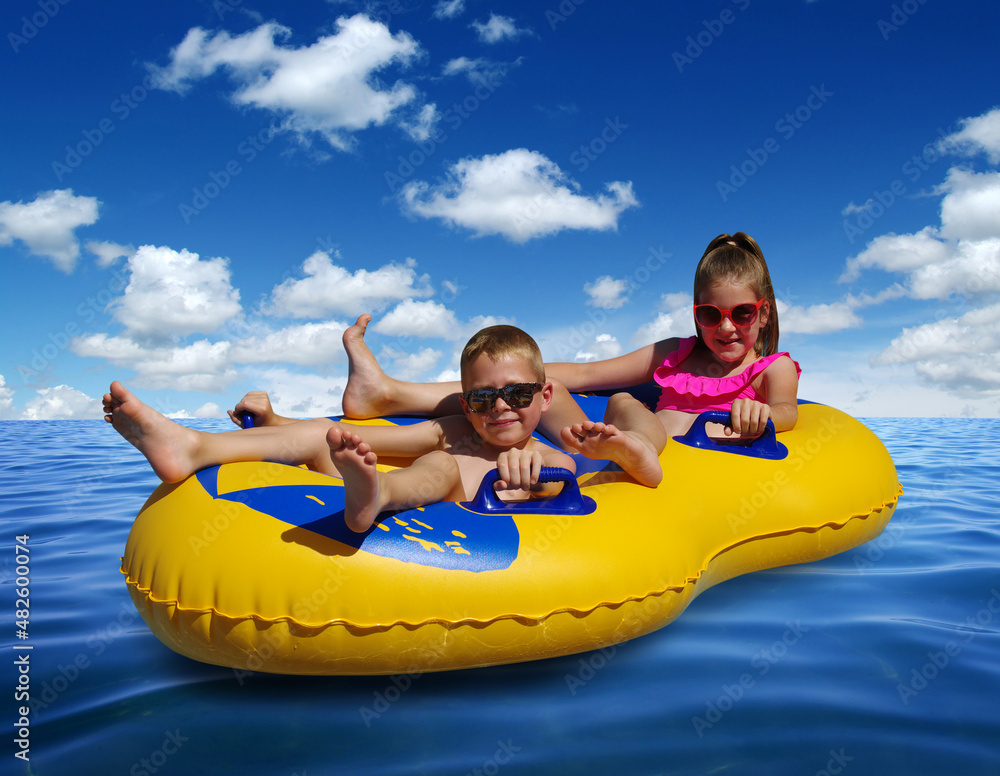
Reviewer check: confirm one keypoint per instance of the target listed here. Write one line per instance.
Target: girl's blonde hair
(737, 258)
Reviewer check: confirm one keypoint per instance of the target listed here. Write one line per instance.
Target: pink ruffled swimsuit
(693, 393)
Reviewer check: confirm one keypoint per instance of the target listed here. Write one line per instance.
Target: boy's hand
(518, 469)
(748, 418)
(259, 404)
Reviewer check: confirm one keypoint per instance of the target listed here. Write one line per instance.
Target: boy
(504, 396)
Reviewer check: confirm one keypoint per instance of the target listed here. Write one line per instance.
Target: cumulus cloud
(897, 253)
(330, 289)
(61, 403)
(498, 28)
(302, 395)
(46, 225)
(108, 253)
(980, 134)
(519, 194)
(175, 293)
(970, 209)
(817, 318)
(958, 259)
(961, 354)
(6, 400)
(333, 87)
(419, 319)
(410, 366)
(310, 344)
(607, 293)
(603, 347)
(200, 366)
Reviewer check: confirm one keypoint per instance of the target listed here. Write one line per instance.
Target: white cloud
(673, 324)
(6, 400)
(980, 134)
(607, 293)
(108, 253)
(61, 403)
(519, 194)
(333, 87)
(603, 347)
(410, 366)
(961, 354)
(302, 395)
(960, 259)
(479, 71)
(329, 289)
(448, 9)
(498, 28)
(898, 253)
(817, 318)
(423, 124)
(971, 268)
(46, 225)
(310, 344)
(200, 366)
(971, 208)
(175, 293)
(419, 319)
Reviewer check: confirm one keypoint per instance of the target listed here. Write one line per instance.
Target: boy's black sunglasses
(516, 396)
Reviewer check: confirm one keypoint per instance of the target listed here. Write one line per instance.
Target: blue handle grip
(247, 419)
(765, 446)
(569, 501)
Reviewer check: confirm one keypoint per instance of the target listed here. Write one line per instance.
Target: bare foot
(600, 440)
(355, 461)
(168, 446)
(366, 394)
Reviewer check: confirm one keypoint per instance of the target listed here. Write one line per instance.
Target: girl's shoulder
(777, 364)
(671, 352)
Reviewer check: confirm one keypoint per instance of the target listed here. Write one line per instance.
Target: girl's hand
(259, 404)
(748, 418)
(518, 469)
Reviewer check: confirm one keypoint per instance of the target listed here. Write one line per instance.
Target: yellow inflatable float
(251, 566)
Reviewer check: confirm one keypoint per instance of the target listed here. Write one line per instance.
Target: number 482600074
(22, 604)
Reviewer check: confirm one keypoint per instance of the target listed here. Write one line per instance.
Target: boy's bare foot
(366, 394)
(600, 440)
(355, 461)
(168, 446)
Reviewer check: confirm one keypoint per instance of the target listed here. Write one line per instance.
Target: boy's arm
(519, 469)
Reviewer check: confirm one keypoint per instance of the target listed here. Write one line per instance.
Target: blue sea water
(884, 659)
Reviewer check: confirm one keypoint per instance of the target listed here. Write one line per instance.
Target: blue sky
(197, 197)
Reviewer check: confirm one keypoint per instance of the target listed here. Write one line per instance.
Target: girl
(731, 364)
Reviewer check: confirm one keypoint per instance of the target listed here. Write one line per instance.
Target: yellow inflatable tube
(250, 565)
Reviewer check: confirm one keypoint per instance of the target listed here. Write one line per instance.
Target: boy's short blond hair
(500, 342)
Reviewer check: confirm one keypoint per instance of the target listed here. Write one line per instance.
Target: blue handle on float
(569, 501)
(247, 419)
(765, 446)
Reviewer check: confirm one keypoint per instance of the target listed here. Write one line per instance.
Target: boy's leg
(432, 477)
(370, 392)
(630, 435)
(175, 452)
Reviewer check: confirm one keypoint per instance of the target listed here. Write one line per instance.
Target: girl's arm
(624, 371)
(781, 385)
(748, 418)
